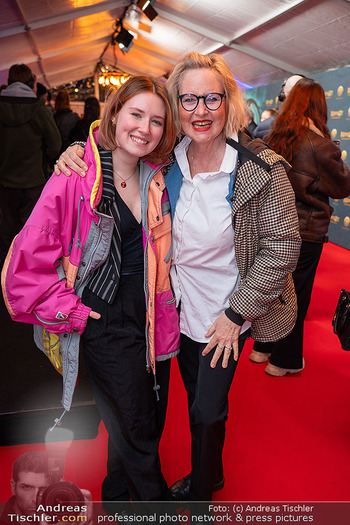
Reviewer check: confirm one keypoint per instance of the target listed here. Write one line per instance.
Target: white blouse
(204, 271)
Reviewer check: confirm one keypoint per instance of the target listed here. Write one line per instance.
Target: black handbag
(341, 319)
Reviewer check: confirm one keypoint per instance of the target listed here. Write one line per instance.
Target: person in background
(49, 103)
(251, 123)
(41, 91)
(64, 117)
(301, 135)
(27, 133)
(265, 126)
(235, 244)
(93, 260)
(29, 477)
(267, 113)
(92, 110)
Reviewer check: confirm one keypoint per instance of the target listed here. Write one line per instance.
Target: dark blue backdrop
(336, 84)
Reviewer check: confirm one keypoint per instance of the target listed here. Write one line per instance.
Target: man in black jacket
(27, 132)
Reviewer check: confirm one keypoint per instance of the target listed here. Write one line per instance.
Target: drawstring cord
(156, 387)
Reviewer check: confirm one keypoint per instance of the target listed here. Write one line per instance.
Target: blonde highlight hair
(116, 100)
(235, 104)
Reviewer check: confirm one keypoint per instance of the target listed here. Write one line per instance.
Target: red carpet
(288, 439)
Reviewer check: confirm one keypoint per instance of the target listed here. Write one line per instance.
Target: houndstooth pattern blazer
(267, 243)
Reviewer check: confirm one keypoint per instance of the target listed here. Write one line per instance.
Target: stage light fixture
(123, 38)
(147, 7)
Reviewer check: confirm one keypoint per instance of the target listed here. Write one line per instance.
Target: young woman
(93, 261)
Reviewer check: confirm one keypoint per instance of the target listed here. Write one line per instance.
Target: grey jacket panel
(95, 252)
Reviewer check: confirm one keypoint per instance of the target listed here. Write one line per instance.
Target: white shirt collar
(227, 164)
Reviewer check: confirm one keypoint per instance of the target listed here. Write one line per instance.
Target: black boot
(180, 490)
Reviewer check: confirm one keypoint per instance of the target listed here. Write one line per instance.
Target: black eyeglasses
(212, 101)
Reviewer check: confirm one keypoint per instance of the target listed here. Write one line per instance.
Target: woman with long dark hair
(92, 112)
(64, 116)
(300, 134)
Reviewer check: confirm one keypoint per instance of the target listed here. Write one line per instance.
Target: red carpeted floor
(288, 439)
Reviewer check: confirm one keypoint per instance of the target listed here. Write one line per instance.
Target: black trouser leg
(207, 390)
(114, 353)
(288, 352)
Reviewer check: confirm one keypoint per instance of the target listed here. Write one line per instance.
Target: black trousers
(207, 391)
(15, 205)
(115, 355)
(288, 352)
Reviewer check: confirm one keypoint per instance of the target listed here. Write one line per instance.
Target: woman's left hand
(225, 337)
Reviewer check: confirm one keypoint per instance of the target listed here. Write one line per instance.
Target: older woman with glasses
(235, 244)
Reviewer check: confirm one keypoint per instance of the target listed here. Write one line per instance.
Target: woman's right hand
(71, 158)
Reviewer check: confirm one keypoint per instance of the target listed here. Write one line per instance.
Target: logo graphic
(346, 221)
(269, 102)
(340, 91)
(337, 114)
(329, 93)
(344, 154)
(61, 315)
(334, 133)
(334, 219)
(345, 135)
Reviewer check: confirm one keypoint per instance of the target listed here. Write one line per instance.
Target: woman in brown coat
(300, 134)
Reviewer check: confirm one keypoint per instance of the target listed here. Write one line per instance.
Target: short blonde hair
(235, 105)
(115, 101)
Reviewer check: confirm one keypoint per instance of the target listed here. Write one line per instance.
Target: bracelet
(78, 143)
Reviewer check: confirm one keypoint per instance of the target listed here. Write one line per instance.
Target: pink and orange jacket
(63, 241)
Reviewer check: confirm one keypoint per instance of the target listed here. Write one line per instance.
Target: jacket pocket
(167, 331)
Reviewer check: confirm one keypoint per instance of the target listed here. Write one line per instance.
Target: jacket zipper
(78, 243)
(53, 323)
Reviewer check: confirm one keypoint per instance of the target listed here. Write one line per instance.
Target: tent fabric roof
(263, 41)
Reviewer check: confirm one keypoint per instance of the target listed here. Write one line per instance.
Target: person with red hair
(300, 134)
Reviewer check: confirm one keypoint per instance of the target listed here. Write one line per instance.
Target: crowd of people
(171, 230)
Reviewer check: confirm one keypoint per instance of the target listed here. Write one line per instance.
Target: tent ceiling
(262, 40)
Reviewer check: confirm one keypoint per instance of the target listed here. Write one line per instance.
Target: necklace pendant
(123, 184)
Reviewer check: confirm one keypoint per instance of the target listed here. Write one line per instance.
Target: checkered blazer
(267, 243)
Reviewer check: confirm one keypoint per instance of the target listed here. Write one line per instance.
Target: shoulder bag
(341, 319)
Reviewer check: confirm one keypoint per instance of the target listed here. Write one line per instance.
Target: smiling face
(201, 124)
(140, 124)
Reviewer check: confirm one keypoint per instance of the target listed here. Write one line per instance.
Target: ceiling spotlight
(123, 38)
(147, 8)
